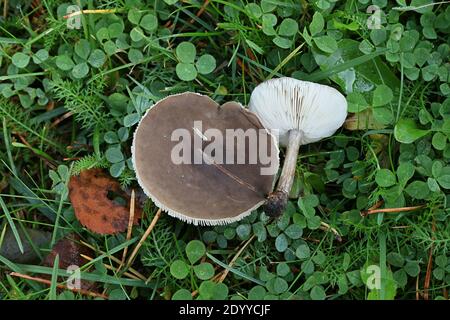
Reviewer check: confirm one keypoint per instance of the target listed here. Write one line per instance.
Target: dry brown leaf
(70, 250)
(363, 120)
(89, 196)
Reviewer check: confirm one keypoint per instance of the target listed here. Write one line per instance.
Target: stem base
(276, 203)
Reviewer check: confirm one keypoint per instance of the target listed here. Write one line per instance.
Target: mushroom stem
(277, 200)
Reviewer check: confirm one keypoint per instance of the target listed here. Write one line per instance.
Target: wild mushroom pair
(209, 164)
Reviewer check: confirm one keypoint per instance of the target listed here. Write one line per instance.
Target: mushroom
(303, 112)
(184, 166)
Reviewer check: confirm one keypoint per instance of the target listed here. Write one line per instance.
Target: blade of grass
(40, 36)
(110, 267)
(5, 40)
(285, 61)
(60, 286)
(400, 97)
(324, 74)
(128, 65)
(144, 236)
(9, 264)
(7, 140)
(37, 151)
(226, 271)
(383, 268)
(21, 75)
(63, 196)
(110, 252)
(116, 260)
(130, 228)
(195, 18)
(411, 8)
(11, 224)
(48, 115)
(87, 276)
(233, 270)
(17, 293)
(54, 280)
(14, 267)
(263, 67)
(32, 198)
(191, 34)
(12, 118)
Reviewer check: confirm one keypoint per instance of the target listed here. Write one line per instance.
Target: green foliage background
(71, 98)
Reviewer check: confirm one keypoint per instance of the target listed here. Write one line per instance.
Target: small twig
(78, 146)
(252, 57)
(426, 285)
(72, 159)
(25, 142)
(417, 288)
(61, 286)
(227, 270)
(311, 239)
(169, 24)
(133, 271)
(130, 228)
(98, 11)
(220, 277)
(242, 65)
(200, 12)
(376, 205)
(110, 267)
(390, 210)
(144, 236)
(121, 60)
(245, 69)
(60, 119)
(5, 8)
(326, 227)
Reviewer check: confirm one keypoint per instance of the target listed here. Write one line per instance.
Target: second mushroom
(302, 112)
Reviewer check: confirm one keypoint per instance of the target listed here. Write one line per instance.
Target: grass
(63, 108)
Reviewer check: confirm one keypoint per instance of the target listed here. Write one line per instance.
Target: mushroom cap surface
(205, 193)
(286, 103)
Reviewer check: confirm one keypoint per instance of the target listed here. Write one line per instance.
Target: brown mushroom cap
(205, 193)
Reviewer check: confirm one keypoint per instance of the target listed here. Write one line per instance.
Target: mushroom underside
(303, 112)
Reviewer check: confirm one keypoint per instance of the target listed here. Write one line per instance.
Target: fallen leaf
(91, 193)
(70, 250)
